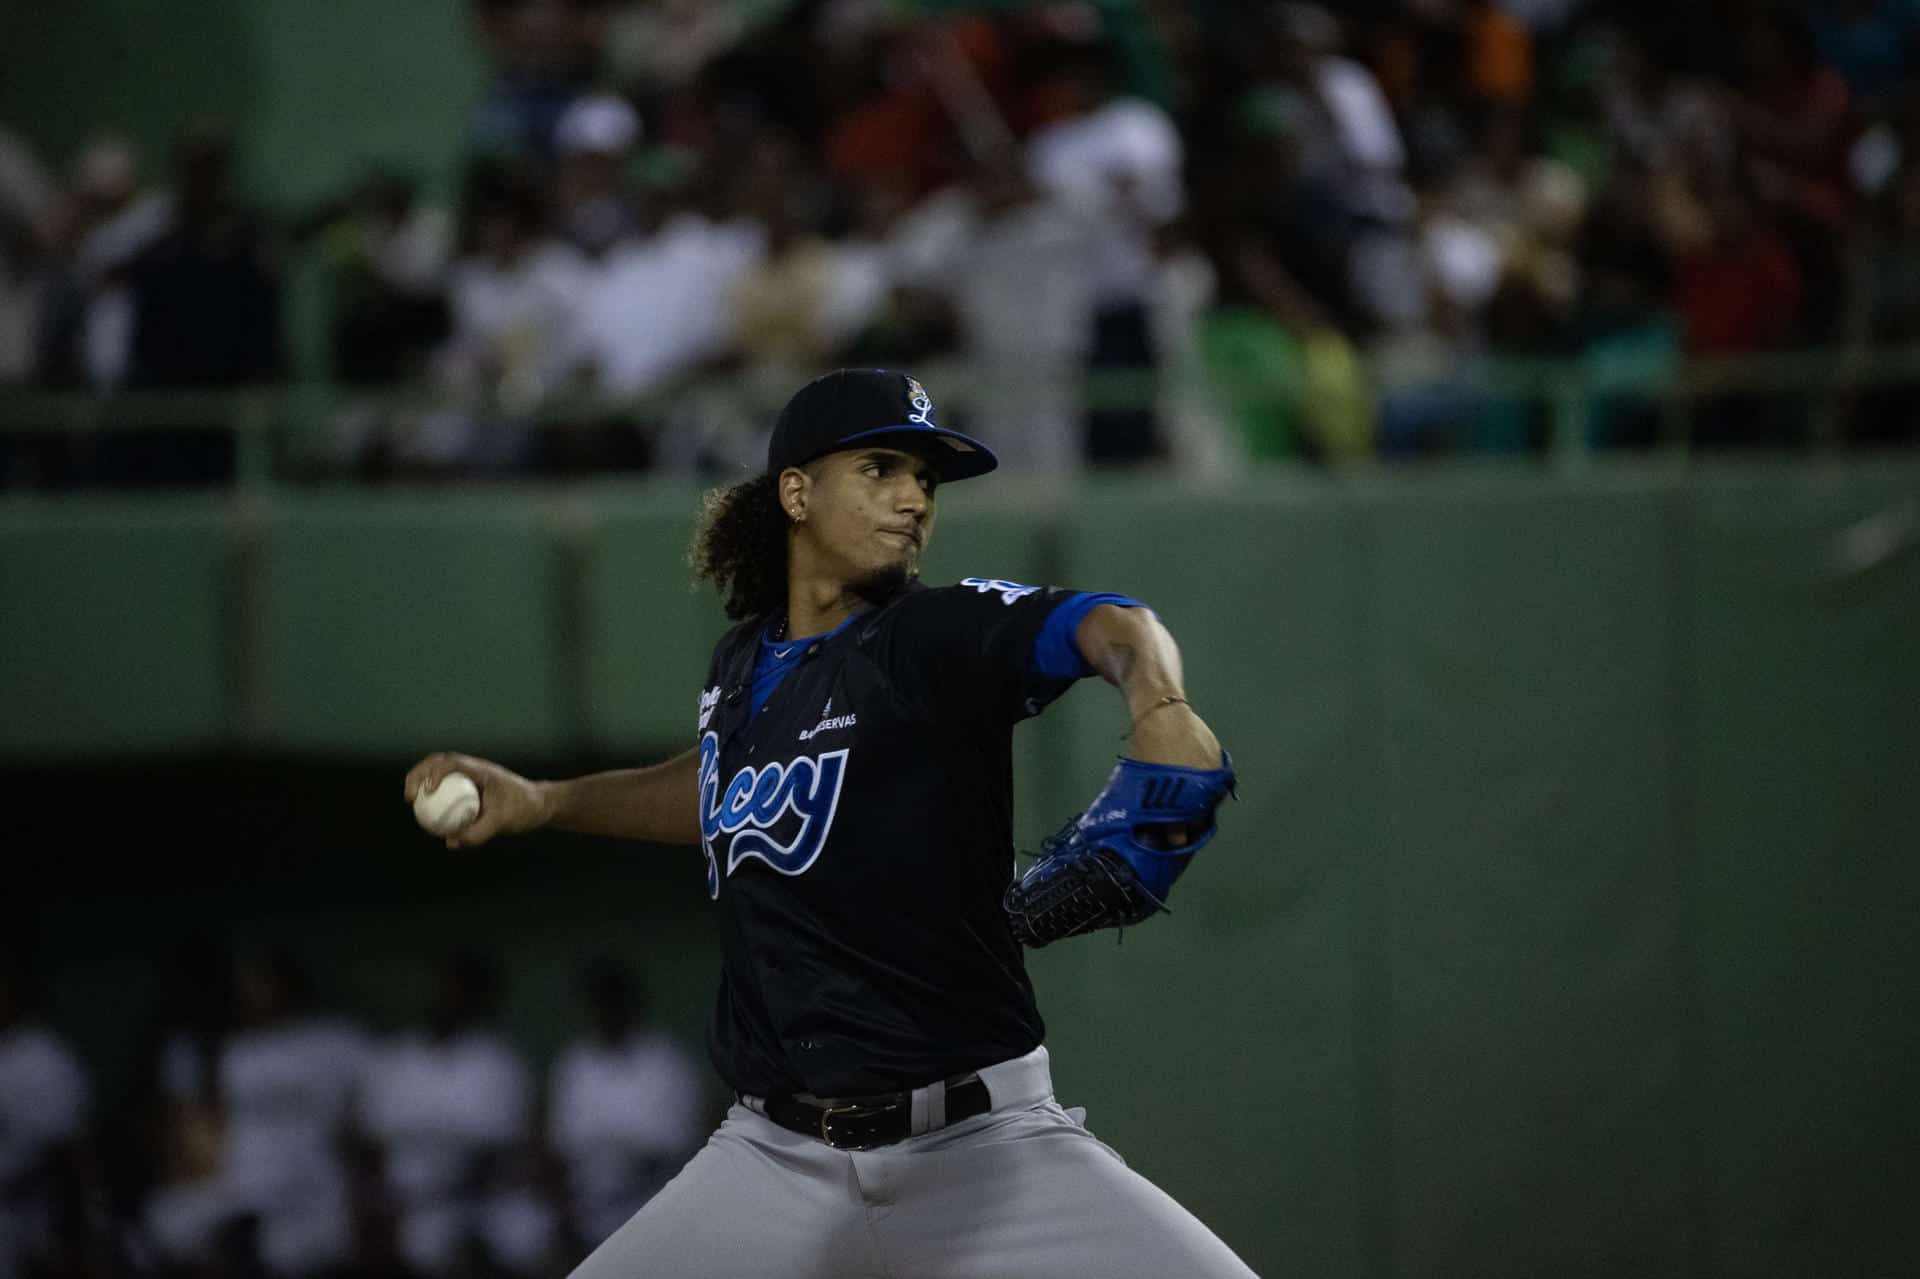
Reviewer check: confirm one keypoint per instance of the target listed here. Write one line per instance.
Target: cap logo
(922, 403)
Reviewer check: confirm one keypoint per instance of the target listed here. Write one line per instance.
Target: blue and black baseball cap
(870, 406)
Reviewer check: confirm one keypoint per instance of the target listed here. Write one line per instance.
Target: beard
(882, 584)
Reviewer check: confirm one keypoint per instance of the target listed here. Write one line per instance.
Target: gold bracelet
(1168, 700)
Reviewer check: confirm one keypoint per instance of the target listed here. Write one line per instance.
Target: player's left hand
(1114, 864)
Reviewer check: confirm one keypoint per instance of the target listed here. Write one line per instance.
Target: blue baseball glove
(1112, 865)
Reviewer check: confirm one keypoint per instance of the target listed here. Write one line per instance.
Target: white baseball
(449, 806)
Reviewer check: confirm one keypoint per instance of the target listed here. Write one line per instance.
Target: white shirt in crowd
(440, 1109)
(624, 1117)
(1119, 167)
(662, 305)
(1021, 287)
(43, 1104)
(514, 323)
(285, 1092)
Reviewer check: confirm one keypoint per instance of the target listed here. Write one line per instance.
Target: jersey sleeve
(1056, 651)
(968, 651)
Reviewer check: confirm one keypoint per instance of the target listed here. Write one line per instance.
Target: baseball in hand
(448, 807)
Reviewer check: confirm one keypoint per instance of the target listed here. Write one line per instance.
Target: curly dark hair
(740, 545)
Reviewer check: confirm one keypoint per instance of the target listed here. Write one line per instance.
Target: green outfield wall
(316, 92)
(1564, 924)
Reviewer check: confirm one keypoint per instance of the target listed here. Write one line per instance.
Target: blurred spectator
(287, 1080)
(389, 250)
(1736, 288)
(1870, 43)
(195, 1019)
(197, 1015)
(797, 308)
(1288, 381)
(661, 304)
(206, 291)
(514, 296)
(514, 292)
(115, 216)
(664, 44)
(1797, 121)
(1622, 329)
(87, 338)
(626, 1108)
(1199, 441)
(1013, 264)
(386, 255)
(277, 1185)
(1350, 145)
(1736, 283)
(43, 1116)
(1305, 55)
(1501, 58)
(595, 141)
(1115, 162)
(203, 307)
(450, 1109)
(1515, 195)
(544, 55)
(1499, 238)
(1661, 121)
(1283, 375)
(29, 211)
(1420, 59)
(897, 88)
(29, 216)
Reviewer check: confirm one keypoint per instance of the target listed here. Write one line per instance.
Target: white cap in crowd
(599, 122)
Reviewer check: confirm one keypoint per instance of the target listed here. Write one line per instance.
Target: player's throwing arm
(657, 803)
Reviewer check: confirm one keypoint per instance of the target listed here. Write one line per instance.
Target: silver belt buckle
(849, 1109)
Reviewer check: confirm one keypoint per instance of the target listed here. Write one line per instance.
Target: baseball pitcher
(850, 791)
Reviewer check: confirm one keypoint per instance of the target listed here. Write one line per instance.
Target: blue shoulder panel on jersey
(1055, 654)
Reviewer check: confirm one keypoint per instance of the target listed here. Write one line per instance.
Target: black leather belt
(861, 1123)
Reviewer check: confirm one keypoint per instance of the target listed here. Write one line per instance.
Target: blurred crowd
(1136, 232)
(265, 1137)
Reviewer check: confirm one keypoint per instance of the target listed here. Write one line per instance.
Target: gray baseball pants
(1021, 1192)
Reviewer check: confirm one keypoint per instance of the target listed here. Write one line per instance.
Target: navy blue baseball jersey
(856, 816)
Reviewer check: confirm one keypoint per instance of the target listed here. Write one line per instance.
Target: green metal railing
(273, 423)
